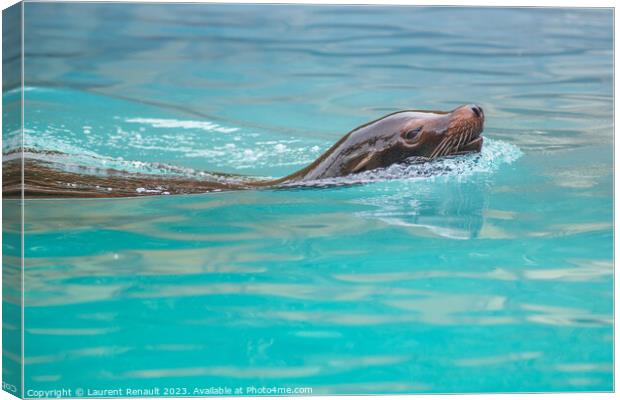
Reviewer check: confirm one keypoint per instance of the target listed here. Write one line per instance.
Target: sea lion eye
(412, 133)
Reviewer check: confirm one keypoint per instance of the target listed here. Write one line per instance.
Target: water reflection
(451, 211)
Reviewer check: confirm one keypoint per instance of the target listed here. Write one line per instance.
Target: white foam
(184, 124)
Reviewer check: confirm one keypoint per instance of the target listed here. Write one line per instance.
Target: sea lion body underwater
(391, 139)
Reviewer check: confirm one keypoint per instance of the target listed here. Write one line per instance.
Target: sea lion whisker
(434, 152)
(439, 148)
(445, 148)
(466, 137)
(450, 147)
(454, 143)
(456, 146)
(469, 135)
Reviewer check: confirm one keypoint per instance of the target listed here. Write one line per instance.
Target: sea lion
(394, 138)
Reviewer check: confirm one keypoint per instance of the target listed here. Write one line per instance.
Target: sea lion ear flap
(363, 163)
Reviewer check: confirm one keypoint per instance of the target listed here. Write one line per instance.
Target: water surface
(494, 275)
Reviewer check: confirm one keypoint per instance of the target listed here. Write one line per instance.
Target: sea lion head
(397, 137)
(420, 135)
(435, 134)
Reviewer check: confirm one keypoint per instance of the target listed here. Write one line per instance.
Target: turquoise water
(492, 274)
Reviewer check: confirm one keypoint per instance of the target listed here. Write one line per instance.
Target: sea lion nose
(477, 110)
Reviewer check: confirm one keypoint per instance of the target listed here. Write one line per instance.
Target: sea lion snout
(470, 116)
(467, 126)
(473, 111)
(478, 112)
(462, 133)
